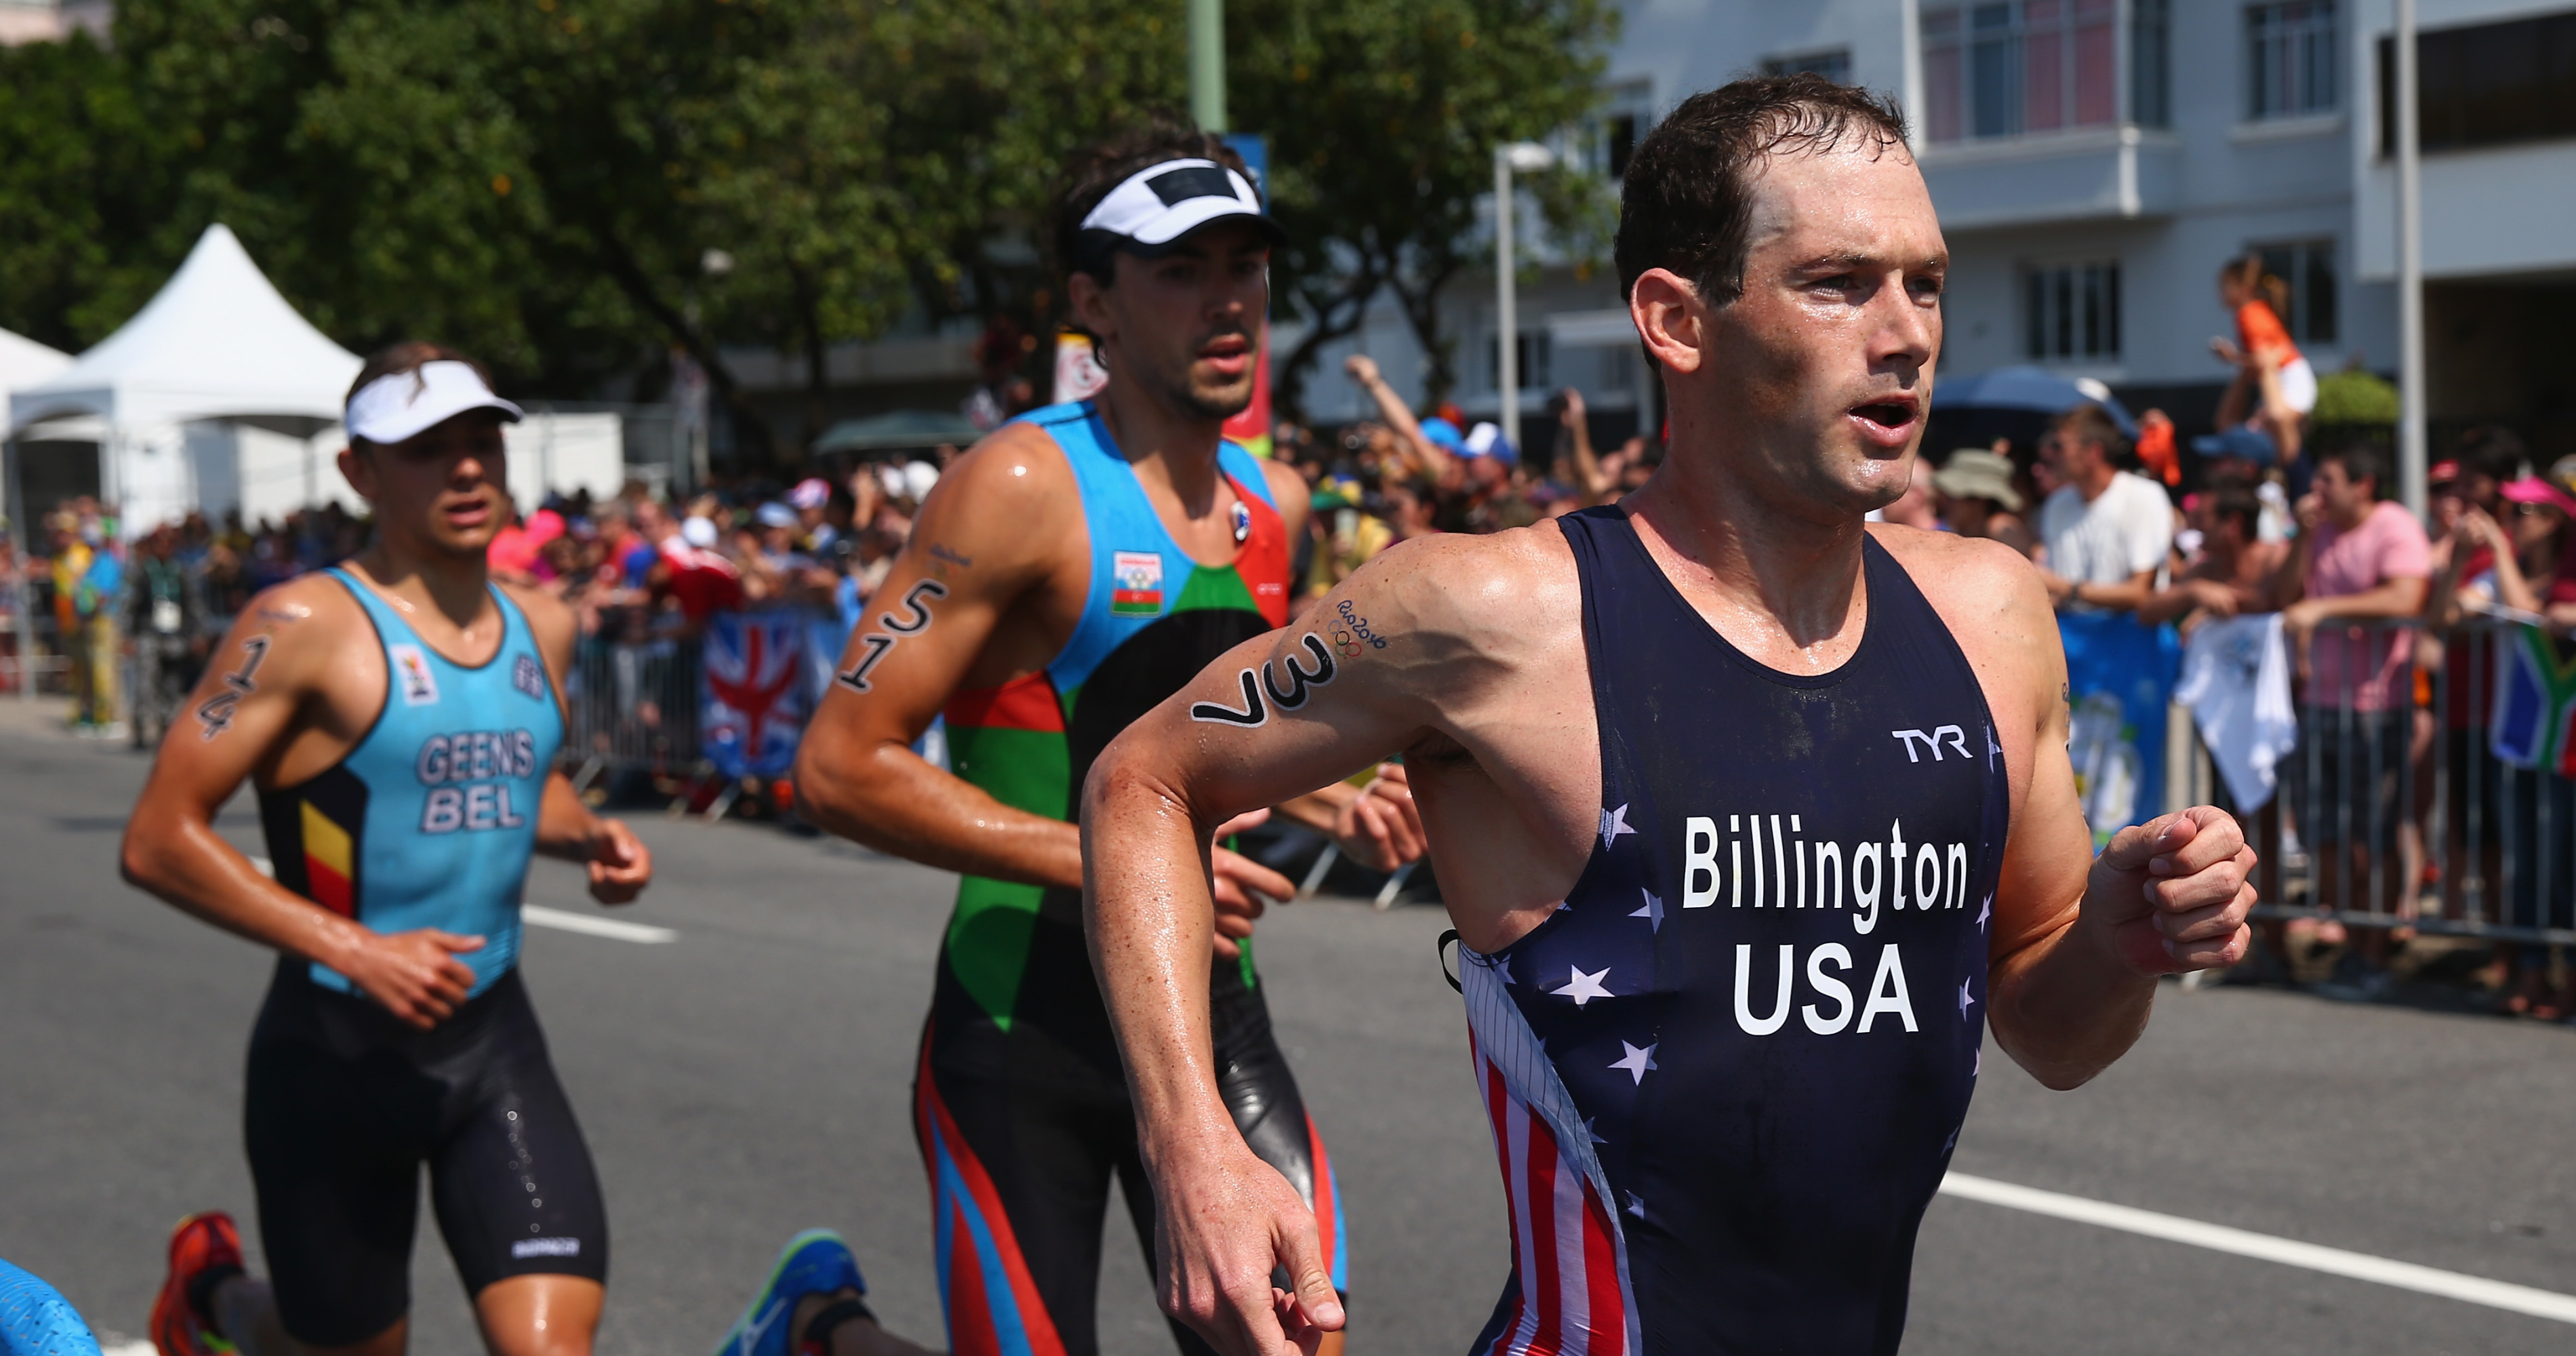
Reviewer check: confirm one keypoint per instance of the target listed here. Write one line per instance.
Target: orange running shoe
(202, 1243)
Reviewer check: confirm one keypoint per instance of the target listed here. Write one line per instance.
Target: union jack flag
(755, 692)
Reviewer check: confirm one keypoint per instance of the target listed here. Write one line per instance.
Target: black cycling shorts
(345, 1104)
(1023, 1131)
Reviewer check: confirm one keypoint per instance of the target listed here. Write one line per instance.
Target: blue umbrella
(2028, 388)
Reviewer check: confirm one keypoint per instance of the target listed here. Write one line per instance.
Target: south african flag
(2535, 705)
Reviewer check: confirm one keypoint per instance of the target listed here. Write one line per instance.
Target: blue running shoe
(37, 1321)
(815, 1262)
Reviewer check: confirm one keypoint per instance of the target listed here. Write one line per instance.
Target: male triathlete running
(399, 716)
(1073, 570)
(1747, 813)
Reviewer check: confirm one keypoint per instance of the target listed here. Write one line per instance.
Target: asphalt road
(749, 1079)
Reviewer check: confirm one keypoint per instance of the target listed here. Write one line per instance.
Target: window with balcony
(1833, 64)
(2308, 266)
(2019, 67)
(2487, 85)
(2291, 59)
(2071, 312)
(2008, 69)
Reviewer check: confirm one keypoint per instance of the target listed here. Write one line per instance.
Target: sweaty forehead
(1854, 198)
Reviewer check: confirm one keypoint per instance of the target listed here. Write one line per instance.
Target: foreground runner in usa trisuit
(1070, 572)
(399, 715)
(1748, 815)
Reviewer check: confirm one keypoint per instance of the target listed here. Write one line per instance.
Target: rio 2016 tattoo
(1301, 684)
(916, 619)
(216, 712)
(1354, 632)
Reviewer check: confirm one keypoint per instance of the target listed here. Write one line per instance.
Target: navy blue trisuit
(1726, 1075)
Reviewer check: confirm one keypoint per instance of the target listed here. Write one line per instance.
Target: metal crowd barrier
(634, 708)
(2405, 816)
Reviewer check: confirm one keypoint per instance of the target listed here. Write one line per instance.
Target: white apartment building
(2096, 161)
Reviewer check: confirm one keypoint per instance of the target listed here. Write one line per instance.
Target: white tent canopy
(217, 343)
(25, 363)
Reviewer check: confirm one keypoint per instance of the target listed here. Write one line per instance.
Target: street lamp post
(1527, 157)
(1207, 65)
(2412, 397)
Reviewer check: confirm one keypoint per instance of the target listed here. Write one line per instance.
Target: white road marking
(643, 934)
(128, 1349)
(2520, 1299)
(594, 926)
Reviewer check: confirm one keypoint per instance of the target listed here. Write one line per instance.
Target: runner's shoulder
(1979, 573)
(550, 619)
(1991, 599)
(1288, 489)
(1480, 589)
(305, 628)
(1001, 495)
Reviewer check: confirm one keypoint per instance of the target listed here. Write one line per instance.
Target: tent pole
(16, 506)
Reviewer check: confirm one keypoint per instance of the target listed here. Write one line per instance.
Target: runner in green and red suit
(1070, 572)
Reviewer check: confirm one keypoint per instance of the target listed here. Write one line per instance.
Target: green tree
(1383, 117)
(544, 181)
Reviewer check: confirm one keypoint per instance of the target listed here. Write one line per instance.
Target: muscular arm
(990, 535)
(2077, 940)
(1272, 716)
(283, 673)
(1445, 621)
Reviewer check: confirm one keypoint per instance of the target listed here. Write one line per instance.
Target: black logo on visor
(1190, 181)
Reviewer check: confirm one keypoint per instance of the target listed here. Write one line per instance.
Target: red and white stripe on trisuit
(1568, 1252)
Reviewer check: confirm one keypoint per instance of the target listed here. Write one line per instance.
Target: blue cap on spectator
(2247, 444)
(1487, 440)
(1444, 435)
(775, 514)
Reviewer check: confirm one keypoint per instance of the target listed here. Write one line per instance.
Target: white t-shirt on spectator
(2127, 530)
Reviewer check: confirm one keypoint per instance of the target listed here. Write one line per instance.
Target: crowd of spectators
(2266, 516)
(2388, 691)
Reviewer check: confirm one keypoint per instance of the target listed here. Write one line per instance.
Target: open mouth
(1887, 423)
(1228, 353)
(468, 512)
(1888, 414)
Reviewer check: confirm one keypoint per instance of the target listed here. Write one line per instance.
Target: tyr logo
(1951, 735)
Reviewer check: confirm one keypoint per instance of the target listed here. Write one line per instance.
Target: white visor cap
(403, 404)
(1157, 205)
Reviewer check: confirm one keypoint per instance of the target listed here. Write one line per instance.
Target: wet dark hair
(410, 355)
(1687, 200)
(1159, 135)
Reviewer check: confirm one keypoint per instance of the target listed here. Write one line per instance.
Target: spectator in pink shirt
(2358, 559)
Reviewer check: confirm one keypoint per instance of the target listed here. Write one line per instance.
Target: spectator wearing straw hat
(1974, 494)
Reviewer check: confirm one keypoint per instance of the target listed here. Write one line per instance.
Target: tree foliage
(1383, 117)
(542, 181)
